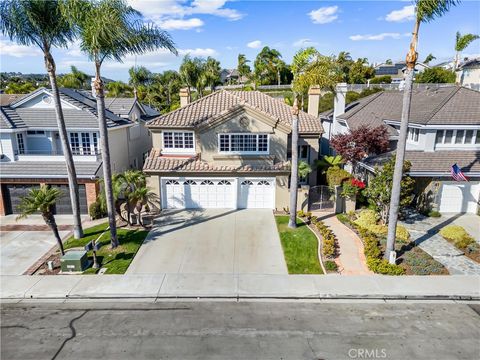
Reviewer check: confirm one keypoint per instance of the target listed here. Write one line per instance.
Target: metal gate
(320, 198)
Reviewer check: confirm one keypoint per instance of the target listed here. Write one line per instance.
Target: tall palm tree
(309, 69)
(41, 23)
(76, 79)
(211, 73)
(139, 76)
(242, 67)
(429, 58)
(42, 200)
(190, 71)
(268, 64)
(110, 29)
(425, 11)
(461, 43)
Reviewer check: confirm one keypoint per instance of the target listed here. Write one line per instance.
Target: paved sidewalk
(351, 256)
(232, 286)
(425, 232)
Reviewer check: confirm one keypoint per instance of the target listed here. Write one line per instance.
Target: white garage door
(193, 193)
(459, 197)
(256, 193)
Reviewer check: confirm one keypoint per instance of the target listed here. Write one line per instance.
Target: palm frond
(428, 10)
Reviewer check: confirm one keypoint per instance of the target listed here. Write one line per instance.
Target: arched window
(206, 182)
(172, 182)
(247, 182)
(224, 182)
(189, 182)
(264, 182)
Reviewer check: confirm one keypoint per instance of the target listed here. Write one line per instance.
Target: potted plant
(350, 189)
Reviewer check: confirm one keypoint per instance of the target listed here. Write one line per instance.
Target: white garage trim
(459, 197)
(217, 192)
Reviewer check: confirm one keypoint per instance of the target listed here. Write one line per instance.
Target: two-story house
(229, 149)
(31, 152)
(444, 129)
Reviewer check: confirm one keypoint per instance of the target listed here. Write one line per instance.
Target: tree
(19, 88)
(143, 196)
(436, 75)
(110, 29)
(41, 23)
(359, 72)
(304, 169)
(242, 67)
(42, 200)
(117, 89)
(267, 66)
(309, 70)
(138, 76)
(461, 43)
(429, 58)
(211, 73)
(328, 161)
(388, 62)
(190, 72)
(360, 143)
(379, 189)
(425, 11)
(76, 79)
(384, 79)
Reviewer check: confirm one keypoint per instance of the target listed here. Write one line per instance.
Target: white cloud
(407, 13)
(324, 15)
(9, 48)
(304, 43)
(377, 37)
(254, 44)
(198, 52)
(167, 12)
(181, 24)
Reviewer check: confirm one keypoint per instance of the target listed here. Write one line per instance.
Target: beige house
(228, 150)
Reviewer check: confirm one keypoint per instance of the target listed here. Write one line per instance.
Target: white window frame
(412, 133)
(182, 150)
(453, 143)
(243, 152)
(21, 143)
(93, 139)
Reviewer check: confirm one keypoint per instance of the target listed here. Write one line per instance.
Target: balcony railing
(51, 155)
(54, 153)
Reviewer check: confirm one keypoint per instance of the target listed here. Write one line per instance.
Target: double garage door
(459, 197)
(14, 193)
(208, 193)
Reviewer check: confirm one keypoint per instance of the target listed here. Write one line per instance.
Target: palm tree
(42, 200)
(211, 73)
(130, 181)
(41, 23)
(118, 88)
(139, 76)
(429, 58)
(328, 161)
(242, 67)
(309, 69)
(76, 79)
(190, 72)
(461, 43)
(268, 64)
(143, 196)
(425, 10)
(110, 29)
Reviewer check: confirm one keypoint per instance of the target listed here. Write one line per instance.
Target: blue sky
(377, 30)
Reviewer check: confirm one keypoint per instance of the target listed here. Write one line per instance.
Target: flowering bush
(352, 187)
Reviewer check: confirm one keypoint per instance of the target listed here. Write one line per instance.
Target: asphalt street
(240, 330)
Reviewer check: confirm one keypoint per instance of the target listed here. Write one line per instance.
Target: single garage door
(459, 197)
(257, 193)
(193, 193)
(15, 192)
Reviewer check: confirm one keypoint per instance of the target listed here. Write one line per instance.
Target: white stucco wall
(7, 146)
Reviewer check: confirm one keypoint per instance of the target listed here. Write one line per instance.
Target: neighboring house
(228, 150)
(468, 74)
(31, 152)
(444, 129)
(231, 76)
(447, 65)
(396, 70)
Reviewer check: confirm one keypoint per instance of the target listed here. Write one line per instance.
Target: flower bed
(462, 240)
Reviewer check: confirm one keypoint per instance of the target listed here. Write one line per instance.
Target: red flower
(358, 183)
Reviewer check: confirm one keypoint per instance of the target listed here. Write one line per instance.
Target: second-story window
(457, 137)
(95, 143)
(413, 134)
(178, 140)
(75, 143)
(86, 150)
(20, 143)
(243, 143)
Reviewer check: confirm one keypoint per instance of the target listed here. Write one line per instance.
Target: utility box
(74, 261)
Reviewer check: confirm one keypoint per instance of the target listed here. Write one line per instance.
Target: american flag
(457, 174)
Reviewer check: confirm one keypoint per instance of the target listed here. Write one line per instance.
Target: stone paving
(425, 230)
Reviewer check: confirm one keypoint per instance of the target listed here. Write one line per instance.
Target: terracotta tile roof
(448, 105)
(222, 102)
(157, 163)
(435, 162)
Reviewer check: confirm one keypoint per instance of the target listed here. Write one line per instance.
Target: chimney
(339, 102)
(92, 84)
(313, 100)
(184, 97)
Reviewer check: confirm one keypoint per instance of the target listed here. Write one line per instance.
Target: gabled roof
(221, 102)
(85, 116)
(470, 64)
(449, 105)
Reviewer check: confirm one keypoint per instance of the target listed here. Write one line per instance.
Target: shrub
(366, 218)
(300, 213)
(329, 240)
(352, 188)
(457, 234)
(96, 210)
(330, 265)
(382, 266)
(336, 176)
(434, 214)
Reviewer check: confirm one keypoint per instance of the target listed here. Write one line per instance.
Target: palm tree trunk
(292, 223)
(278, 76)
(50, 221)
(402, 140)
(456, 61)
(67, 151)
(107, 170)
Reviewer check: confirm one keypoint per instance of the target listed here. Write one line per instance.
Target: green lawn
(117, 260)
(299, 247)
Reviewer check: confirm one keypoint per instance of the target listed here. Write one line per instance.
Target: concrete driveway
(24, 242)
(217, 241)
